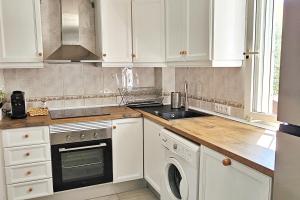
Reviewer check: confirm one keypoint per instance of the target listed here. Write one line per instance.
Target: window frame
(258, 10)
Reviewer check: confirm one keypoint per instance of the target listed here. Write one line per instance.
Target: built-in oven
(81, 154)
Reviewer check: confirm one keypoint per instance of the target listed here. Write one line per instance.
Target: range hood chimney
(71, 50)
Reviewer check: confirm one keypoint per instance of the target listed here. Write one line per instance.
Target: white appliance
(180, 179)
(287, 165)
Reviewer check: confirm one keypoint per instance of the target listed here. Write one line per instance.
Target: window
(264, 34)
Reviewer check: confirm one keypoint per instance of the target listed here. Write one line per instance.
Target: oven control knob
(82, 136)
(68, 138)
(96, 135)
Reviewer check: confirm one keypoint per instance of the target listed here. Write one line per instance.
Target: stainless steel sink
(180, 114)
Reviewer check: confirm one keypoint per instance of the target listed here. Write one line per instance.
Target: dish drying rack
(137, 97)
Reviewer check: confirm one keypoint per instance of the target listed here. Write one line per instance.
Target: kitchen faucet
(186, 100)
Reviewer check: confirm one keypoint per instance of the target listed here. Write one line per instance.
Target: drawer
(29, 172)
(30, 190)
(25, 136)
(27, 154)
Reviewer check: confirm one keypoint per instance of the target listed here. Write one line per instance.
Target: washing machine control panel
(178, 148)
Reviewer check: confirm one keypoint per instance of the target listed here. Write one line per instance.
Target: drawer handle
(30, 189)
(27, 154)
(28, 173)
(26, 136)
(114, 127)
(226, 162)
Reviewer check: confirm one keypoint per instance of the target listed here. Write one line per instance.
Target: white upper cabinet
(127, 140)
(20, 33)
(115, 33)
(197, 46)
(205, 32)
(175, 29)
(226, 179)
(187, 23)
(228, 32)
(148, 31)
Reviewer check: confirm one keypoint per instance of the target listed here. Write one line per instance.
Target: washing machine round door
(176, 181)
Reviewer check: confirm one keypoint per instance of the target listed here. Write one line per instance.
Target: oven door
(81, 164)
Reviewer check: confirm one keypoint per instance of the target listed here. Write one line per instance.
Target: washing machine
(180, 179)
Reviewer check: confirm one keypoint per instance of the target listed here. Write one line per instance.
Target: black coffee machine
(18, 108)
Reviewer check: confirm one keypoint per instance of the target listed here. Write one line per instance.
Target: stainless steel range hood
(71, 50)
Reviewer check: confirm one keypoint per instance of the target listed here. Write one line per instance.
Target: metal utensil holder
(140, 95)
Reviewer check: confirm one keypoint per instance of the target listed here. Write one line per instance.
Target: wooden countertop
(116, 112)
(244, 143)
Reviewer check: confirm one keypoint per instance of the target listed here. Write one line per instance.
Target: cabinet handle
(104, 55)
(26, 136)
(184, 52)
(133, 55)
(114, 127)
(40, 54)
(28, 173)
(181, 53)
(249, 53)
(30, 190)
(27, 154)
(226, 162)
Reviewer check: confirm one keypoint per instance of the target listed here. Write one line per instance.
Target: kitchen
(149, 99)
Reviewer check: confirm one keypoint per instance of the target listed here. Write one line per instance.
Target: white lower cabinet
(27, 154)
(153, 154)
(29, 172)
(127, 139)
(29, 190)
(230, 180)
(27, 161)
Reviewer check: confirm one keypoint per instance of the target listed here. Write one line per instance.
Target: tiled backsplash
(71, 85)
(213, 85)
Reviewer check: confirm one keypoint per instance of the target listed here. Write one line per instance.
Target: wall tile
(112, 79)
(158, 77)
(11, 81)
(181, 75)
(168, 80)
(52, 80)
(224, 85)
(228, 84)
(93, 102)
(92, 79)
(201, 82)
(74, 103)
(143, 77)
(73, 79)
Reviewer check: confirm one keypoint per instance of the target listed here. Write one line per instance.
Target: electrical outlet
(223, 109)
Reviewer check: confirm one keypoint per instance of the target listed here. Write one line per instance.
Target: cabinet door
(197, 46)
(116, 30)
(148, 30)
(229, 29)
(20, 31)
(153, 154)
(233, 182)
(127, 139)
(176, 19)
